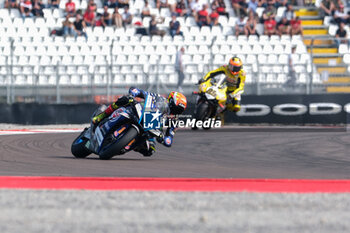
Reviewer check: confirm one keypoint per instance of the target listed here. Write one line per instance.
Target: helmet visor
(176, 110)
(234, 68)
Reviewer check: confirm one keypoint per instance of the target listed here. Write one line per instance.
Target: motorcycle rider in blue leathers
(174, 105)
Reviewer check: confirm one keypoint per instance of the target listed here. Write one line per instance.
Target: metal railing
(331, 66)
(63, 83)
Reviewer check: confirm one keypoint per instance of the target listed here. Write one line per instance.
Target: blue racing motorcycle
(118, 134)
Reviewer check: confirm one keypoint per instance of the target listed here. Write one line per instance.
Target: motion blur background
(39, 65)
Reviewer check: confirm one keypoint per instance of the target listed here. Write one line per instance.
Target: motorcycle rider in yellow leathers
(235, 79)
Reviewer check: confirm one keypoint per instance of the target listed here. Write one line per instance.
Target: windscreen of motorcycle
(154, 103)
(139, 107)
(161, 103)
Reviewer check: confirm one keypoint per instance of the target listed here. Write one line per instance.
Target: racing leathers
(235, 86)
(160, 103)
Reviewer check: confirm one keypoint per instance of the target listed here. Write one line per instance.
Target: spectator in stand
(70, 8)
(289, 13)
(79, 26)
(162, 4)
(92, 6)
(262, 3)
(270, 26)
(180, 68)
(180, 8)
(220, 7)
(112, 4)
(117, 19)
(269, 11)
(296, 28)
(340, 16)
(127, 17)
(106, 19)
(240, 28)
(326, 8)
(89, 17)
(283, 27)
(38, 7)
(146, 11)
(341, 35)
(252, 5)
(174, 26)
(10, 4)
(240, 7)
(195, 6)
(214, 18)
(25, 8)
(203, 17)
(277, 3)
(153, 29)
(251, 24)
(123, 3)
(291, 71)
(68, 28)
(54, 3)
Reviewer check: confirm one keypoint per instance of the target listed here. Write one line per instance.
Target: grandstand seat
(14, 13)
(267, 49)
(278, 49)
(346, 58)
(253, 39)
(301, 48)
(194, 30)
(272, 59)
(246, 49)
(343, 49)
(19, 50)
(332, 29)
(223, 21)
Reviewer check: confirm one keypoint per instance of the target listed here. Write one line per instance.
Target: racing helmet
(177, 102)
(235, 65)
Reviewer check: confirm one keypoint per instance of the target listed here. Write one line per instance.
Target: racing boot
(148, 149)
(122, 101)
(220, 117)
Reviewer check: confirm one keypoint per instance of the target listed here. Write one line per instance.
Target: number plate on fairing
(99, 136)
(139, 110)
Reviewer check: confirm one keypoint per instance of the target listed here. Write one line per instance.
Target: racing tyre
(202, 114)
(78, 148)
(116, 148)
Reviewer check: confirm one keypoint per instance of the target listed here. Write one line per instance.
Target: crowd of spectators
(335, 10)
(204, 15)
(289, 24)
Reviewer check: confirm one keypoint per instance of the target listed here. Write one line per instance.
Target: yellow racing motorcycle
(211, 96)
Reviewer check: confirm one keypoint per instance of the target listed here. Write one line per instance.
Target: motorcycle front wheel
(117, 147)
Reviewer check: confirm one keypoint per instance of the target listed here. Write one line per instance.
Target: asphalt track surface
(278, 153)
(240, 152)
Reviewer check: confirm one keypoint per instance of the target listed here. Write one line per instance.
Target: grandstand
(36, 66)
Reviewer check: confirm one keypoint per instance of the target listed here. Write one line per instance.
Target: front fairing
(214, 89)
